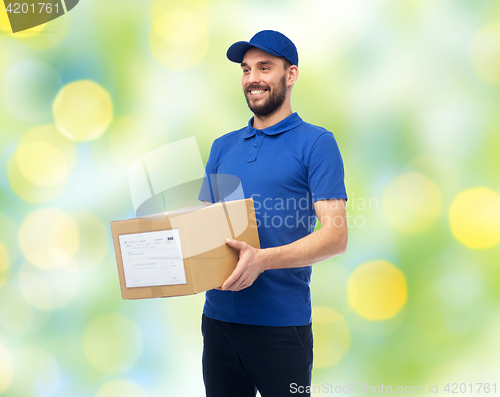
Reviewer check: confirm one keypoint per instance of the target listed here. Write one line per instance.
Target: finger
(229, 286)
(242, 282)
(238, 285)
(235, 275)
(239, 245)
(241, 286)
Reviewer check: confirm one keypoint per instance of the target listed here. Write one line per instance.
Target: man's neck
(262, 122)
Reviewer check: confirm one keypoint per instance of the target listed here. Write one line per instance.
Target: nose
(253, 76)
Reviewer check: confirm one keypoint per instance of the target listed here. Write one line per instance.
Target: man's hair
(286, 63)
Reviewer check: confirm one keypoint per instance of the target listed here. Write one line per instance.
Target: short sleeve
(206, 191)
(326, 169)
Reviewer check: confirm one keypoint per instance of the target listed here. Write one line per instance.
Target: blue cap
(270, 41)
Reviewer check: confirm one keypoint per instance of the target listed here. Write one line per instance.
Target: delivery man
(257, 326)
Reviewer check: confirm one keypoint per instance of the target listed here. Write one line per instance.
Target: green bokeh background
(400, 84)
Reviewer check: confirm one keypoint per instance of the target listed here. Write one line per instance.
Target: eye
(264, 68)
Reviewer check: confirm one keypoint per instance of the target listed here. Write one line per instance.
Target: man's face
(263, 81)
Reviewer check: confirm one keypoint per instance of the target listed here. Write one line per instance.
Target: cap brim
(237, 51)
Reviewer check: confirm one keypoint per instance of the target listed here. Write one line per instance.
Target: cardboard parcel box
(181, 252)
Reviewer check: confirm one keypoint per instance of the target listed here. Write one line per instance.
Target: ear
(292, 75)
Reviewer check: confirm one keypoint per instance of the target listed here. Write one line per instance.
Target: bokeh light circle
(475, 218)
(49, 289)
(112, 342)
(332, 337)
(94, 241)
(176, 27)
(377, 290)
(41, 164)
(129, 138)
(18, 317)
(121, 388)
(411, 203)
(49, 238)
(28, 87)
(179, 37)
(36, 373)
(6, 368)
(441, 169)
(484, 54)
(448, 305)
(83, 110)
(4, 263)
(8, 236)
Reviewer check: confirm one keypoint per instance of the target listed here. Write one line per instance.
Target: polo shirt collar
(284, 125)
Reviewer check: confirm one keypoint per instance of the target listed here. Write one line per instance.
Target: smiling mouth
(257, 93)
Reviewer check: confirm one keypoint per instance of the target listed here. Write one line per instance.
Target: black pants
(239, 359)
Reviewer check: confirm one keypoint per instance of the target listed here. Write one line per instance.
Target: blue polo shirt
(285, 168)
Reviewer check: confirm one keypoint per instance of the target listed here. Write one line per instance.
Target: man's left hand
(248, 268)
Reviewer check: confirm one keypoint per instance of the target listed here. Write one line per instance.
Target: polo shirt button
(260, 133)
(255, 144)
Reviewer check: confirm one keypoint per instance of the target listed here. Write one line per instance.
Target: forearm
(318, 246)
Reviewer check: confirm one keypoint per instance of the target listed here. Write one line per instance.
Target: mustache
(256, 87)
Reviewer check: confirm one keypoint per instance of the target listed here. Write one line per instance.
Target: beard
(274, 101)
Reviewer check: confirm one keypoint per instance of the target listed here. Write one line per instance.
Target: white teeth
(257, 92)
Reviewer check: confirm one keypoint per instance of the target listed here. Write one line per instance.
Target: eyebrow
(258, 63)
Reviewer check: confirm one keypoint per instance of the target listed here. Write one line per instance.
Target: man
(257, 326)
